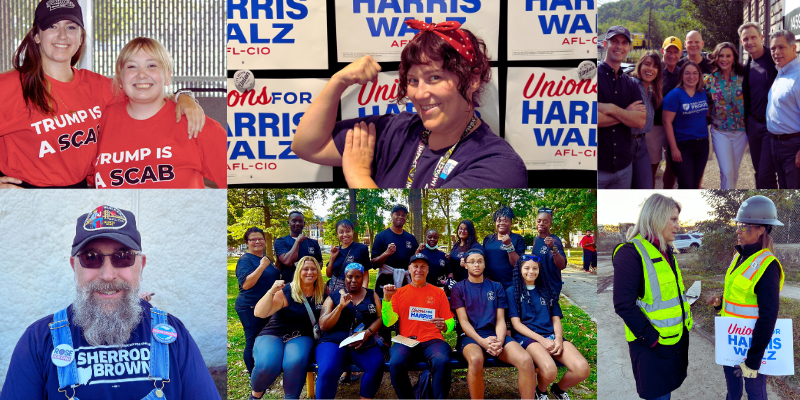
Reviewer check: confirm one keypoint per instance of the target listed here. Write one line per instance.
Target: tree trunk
(268, 236)
(354, 215)
(415, 203)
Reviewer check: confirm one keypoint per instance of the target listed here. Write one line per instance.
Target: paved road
(581, 288)
(615, 375)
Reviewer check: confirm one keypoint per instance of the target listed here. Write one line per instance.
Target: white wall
(183, 235)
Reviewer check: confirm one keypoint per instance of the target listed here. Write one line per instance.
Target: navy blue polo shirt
(535, 316)
(614, 142)
(498, 268)
(480, 301)
(309, 247)
(437, 266)
(460, 273)
(669, 82)
(405, 246)
(244, 267)
(553, 274)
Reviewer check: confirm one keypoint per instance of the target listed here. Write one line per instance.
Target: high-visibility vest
(740, 299)
(663, 300)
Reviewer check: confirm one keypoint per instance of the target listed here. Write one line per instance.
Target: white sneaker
(541, 396)
(563, 396)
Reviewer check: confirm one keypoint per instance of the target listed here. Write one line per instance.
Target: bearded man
(109, 343)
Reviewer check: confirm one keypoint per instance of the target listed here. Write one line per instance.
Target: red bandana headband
(450, 32)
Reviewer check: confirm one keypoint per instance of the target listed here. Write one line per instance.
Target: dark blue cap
(419, 256)
(107, 222)
(474, 250)
(399, 207)
(618, 30)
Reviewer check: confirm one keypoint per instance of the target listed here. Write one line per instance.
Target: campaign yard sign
(277, 34)
(377, 28)
(552, 29)
(551, 118)
(734, 336)
(261, 125)
(378, 98)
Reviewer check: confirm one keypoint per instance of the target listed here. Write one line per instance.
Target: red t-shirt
(423, 300)
(52, 150)
(587, 243)
(157, 152)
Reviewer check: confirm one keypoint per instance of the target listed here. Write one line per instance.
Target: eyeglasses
(119, 259)
(477, 262)
(531, 258)
(741, 226)
(257, 240)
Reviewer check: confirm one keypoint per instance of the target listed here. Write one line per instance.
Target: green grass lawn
(500, 382)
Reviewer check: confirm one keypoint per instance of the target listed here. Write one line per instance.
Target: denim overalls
(159, 356)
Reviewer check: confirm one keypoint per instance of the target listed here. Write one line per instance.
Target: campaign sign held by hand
(734, 337)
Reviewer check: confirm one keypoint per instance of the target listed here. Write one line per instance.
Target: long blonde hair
(319, 287)
(653, 218)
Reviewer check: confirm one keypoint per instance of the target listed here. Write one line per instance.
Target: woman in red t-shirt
(50, 111)
(140, 147)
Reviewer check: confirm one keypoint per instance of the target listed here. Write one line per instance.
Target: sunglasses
(119, 259)
(531, 258)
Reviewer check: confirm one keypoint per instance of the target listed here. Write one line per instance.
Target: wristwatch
(186, 92)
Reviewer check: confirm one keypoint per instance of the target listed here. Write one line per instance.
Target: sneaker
(562, 396)
(540, 395)
(254, 397)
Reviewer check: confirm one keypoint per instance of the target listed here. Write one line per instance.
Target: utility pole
(649, 25)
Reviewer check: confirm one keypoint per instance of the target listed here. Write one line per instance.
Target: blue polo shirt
(244, 267)
(480, 301)
(783, 109)
(614, 142)
(498, 268)
(553, 274)
(309, 247)
(690, 114)
(405, 246)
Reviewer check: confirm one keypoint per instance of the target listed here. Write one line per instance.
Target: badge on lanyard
(62, 355)
(448, 168)
(165, 333)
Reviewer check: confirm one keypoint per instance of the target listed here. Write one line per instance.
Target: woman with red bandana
(442, 71)
(50, 111)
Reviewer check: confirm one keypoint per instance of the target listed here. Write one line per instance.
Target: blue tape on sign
(165, 333)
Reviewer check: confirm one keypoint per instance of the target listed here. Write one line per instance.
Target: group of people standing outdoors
(291, 316)
(649, 296)
(669, 106)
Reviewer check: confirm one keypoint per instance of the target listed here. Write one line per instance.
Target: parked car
(685, 242)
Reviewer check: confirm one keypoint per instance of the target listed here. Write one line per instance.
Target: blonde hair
(319, 287)
(150, 46)
(653, 218)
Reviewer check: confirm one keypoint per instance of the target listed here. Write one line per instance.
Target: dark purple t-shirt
(480, 301)
(481, 160)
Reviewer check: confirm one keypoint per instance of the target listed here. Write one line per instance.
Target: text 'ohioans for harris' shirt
(58, 149)
(157, 152)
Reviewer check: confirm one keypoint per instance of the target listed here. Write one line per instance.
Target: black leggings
(689, 172)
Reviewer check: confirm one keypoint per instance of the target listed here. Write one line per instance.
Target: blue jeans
(694, 153)
(589, 259)
(251, 325)
(615, 180)
(332, 361)
(436, 352)
(272, 357)
(642, 174)
(759, 139)
(664, 397)
(783, 155)
(756, 388)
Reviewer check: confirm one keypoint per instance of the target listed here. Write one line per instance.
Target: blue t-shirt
(553, 273)
(293, 318)
(437, 266)
(481, 160)
(356, 252)
(350, 317)
(480, 301)
(690, 117)
(309, 247)
(460, 273)
(498, 268)
(405, 246)
(106, 372)
(244, 267)
(535, 316)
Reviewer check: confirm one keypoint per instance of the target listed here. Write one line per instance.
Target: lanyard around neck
(442, 160)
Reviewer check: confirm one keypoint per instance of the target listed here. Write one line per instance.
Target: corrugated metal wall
(193, 31)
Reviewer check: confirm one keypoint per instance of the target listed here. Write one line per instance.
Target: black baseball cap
(419, 256)
(107, 222)
(618, 30)
(399, 207)
(48, 12)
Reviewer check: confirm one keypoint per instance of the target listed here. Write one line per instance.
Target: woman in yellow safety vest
(752, 288)
(648, 296)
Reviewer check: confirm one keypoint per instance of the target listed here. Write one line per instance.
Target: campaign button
(62, 355)
(165, 333)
